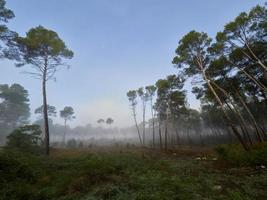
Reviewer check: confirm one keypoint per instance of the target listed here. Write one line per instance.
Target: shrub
(236, 156)
(25, 139)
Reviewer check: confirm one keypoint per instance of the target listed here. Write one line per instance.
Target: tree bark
(160, 136)
(144, 122)
(166, 136)
(256, 57)
(242, 122)
(64, 136)
(153, 122)
(228, 119)
(178, 140)
(137, 127)
(259, 133)
(45, 112)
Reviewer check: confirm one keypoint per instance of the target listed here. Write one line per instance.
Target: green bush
(25, 139)
(236, 156)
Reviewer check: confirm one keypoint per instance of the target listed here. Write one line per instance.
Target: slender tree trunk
(242, 122)
(160, 136)
(256, 57)
(137, 127)
(144, 122)
(228, 119)
(45, 112)
(259, 132)
(64, 136)
(200, 138)
(177, 136)
(188, 137)
(153, 122)
(166, 136)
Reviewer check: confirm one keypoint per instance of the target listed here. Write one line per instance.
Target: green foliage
(25, 139)
(119, 176)
(234, 155)
(41, 42)
(192, 52)
(170, 97)
(14, 108)
(51, 110)
(7, 37)
(67, 113)
(44, 50)
(14, 104)
(132, 95)
(16, 176)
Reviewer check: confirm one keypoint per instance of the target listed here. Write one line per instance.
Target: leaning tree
(44, 51)
(132, 96)
(194, 58)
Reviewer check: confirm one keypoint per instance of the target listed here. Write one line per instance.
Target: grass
(126, 175)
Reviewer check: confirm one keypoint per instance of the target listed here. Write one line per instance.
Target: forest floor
(127, 174)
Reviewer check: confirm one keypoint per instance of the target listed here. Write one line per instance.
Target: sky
(118, 45)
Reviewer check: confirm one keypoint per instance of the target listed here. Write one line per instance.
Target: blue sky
(118, 44)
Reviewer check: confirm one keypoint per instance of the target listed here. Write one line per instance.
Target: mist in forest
(196, 87)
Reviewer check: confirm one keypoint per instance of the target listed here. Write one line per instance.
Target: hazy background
(118, 44)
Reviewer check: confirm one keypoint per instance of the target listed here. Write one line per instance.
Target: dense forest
(165, 155)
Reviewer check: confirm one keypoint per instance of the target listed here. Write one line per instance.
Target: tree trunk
(242, 122)
(144, 122)
(188, 137)
(256, 57)
(45, 112)
(200, 138)
(153, 123)
(228, 119)
(166, 136)
(160, 136)
(178, 140)
(64, 136)
(259, 133)
(137, 127)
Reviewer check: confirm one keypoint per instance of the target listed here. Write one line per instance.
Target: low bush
(235, 155)
(25, 139)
